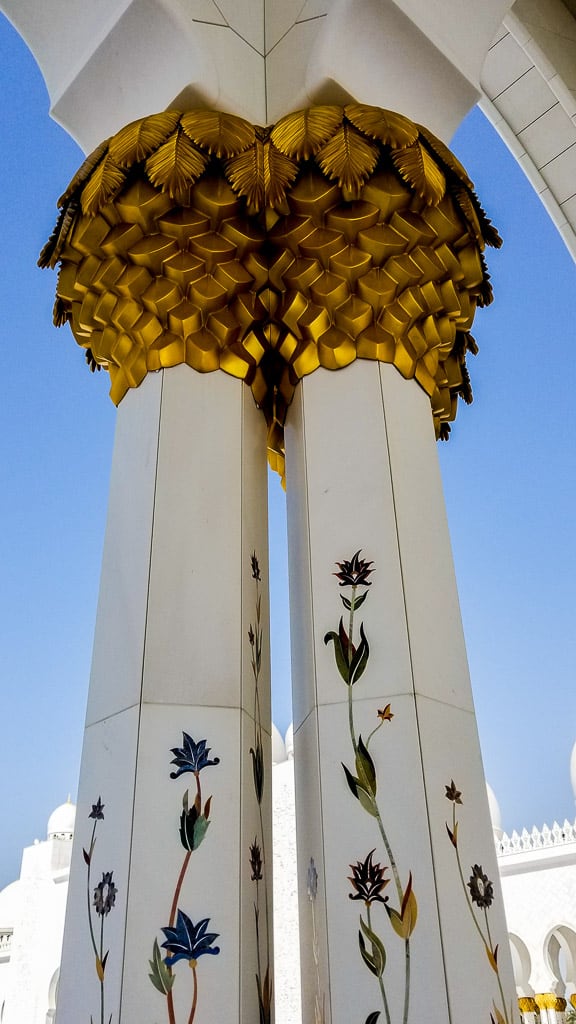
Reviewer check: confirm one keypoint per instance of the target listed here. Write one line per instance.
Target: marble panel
(116, 676)
(347, 485)
(505, 63)
(525, 100)
(166, 877)
(314, 957)
(450, 751)
(286, 67)
(548, 135)
(193, 640)
(107, 774)
(397, 833)
(560, 174)
(437, 650)
(254, 526)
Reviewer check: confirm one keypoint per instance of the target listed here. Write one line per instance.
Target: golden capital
(526, 1004)
(549, 1001)
(339, 233)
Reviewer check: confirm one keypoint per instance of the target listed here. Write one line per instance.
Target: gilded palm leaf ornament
(338, 233)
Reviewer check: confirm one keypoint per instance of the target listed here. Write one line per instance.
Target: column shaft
(384, 721)
(177, 744)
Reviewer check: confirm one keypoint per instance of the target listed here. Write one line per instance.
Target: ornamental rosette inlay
(338, 233)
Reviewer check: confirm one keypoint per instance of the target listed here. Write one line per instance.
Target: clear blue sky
(508, 474)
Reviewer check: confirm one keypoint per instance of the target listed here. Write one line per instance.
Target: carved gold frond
(348, 158)
(223, 135)
(301, 135)
(139, 139)
(419, 170)
(445, 155)
(468, 210)
(51, 252)
(261, 174)
(176, 165)
(388, 127)
(105, 182)
(84, 172)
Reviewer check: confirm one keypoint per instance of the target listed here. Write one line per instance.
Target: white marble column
(362, 475)
(177, 863)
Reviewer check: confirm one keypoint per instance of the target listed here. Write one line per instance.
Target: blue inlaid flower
(191, 756)
(188, 941)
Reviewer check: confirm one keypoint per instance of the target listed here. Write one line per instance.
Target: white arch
(522, 965)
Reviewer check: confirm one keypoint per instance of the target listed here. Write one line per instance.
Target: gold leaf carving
(445, 155)
(84, 172)
(301, 135)
(105, 182)
(221, 134)
(245, 173)
(388, 127)
(348, 157)
(464, 203)
(279, 172)
(175, 165)
(419, 170)
(138, 140)
(261, 174)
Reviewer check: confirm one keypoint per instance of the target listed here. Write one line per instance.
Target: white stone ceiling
(529, 86)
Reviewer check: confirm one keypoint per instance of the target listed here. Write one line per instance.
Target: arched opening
(560, 955)
(522, 965)
(52, 996)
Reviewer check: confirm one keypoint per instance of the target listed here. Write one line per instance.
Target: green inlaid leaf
(341, 660)
(160, 975)
(360, 658)
(354, 605)
(362, 794)
(365, 768)
(378, 951)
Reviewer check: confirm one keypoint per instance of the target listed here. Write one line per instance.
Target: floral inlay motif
(100, 900)
(369, 877)
(184, 940)
(258, 862)
(481, 896)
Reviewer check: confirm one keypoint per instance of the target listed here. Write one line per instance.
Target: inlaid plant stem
(258, 853)
(352, 655)
(185, 940)
(100, 900)
(481, 895)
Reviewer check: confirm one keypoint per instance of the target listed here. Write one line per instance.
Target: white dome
(495, 813)
(278, 748)
(61, 821)
(573, 770)
(289, 740)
